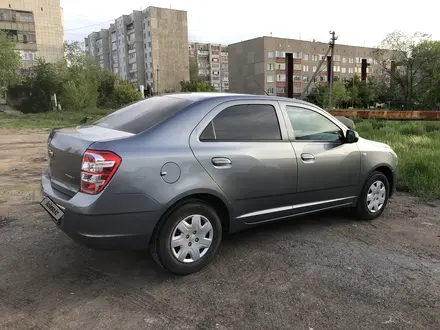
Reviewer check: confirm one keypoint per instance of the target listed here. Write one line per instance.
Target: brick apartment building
(212, 62)
(36, 27)
(148, 47)
(259, 65)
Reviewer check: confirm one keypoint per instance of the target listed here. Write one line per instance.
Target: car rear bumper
(129, 229)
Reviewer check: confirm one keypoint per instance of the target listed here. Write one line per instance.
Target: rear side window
(247, 122)
(142, 115)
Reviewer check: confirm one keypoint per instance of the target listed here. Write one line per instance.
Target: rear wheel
(374, 197)
(188, 238)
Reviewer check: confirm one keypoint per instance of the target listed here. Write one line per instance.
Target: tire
(362, 209)
(188, 239)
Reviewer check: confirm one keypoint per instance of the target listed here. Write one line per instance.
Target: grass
(50, 120)
(417, 144)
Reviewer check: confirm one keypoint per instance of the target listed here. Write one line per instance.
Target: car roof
(199, 96)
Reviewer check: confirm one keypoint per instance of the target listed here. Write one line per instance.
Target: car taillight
(97, 169)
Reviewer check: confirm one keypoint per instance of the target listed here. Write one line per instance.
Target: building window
(350, 70)
(281, 66)
(297, 89)
(297, 67)
(344, 70)
(270, 91)
(344, 60)
(337, 58)
(314, 68)
(336, 68)
(281, 77)
(306, 57)
(350, 60)
(269, 78)
(247, 122)
(281, 90)
(358, 60)
(270, 54)
(296, 78)
(305, 68)
(315, 58)
(305, 79)
(270, 67)
(280, 54)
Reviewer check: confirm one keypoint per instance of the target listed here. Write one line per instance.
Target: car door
(328, 167)
(244, 146)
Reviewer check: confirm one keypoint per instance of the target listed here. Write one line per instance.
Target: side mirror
(351, 136)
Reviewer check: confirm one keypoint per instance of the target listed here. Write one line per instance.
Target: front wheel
(374, 197)
(188, 238)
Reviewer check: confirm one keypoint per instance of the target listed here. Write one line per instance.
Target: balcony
(203, 53)
(281, 71)
(280, 60)
(281, 84)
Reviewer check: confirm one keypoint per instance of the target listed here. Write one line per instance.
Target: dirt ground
(322, 272)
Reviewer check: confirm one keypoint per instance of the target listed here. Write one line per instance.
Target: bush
(124, 93)
(196, 86)
(78, 96)
(106, 88)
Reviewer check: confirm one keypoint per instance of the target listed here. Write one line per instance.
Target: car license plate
(52, 208)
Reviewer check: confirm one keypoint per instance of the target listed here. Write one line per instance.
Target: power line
(87, 26)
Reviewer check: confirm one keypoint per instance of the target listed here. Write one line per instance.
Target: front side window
(309, 125)
(246, 122)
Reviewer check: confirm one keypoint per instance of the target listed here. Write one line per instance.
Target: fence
(386, 114)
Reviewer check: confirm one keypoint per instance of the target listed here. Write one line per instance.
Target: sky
(228, 21)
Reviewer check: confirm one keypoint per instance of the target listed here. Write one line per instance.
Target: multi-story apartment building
(36, 26)
(148, 47)
(212, 61)
(258, 65)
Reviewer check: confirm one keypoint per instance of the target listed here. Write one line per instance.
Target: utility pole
(157, 80)
(332, 51)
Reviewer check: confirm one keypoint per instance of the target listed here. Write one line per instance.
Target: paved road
(321, 272)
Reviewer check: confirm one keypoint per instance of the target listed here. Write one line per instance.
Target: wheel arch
(220, 204)
(386, 170)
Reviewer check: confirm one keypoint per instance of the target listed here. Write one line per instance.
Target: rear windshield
(142, 115)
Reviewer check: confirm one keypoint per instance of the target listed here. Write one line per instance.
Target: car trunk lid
(66, 148)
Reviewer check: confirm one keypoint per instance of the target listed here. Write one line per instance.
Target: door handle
(221, 162)
(307, 157)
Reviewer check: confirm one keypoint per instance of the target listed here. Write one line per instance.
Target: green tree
(319, 95)
(196, 86)
(427, 91)
(365, 93)
(193, 69)
(10, 62)
(75, 51)
(405, 51)
(47, 80)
